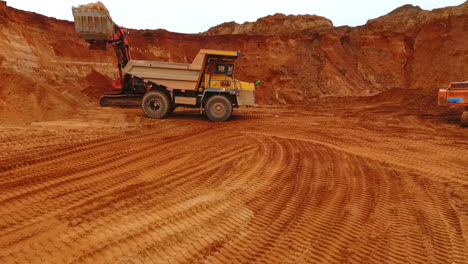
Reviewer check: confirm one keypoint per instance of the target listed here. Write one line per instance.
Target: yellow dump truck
(208, 83)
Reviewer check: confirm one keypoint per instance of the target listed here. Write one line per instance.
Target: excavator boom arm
(95, 25)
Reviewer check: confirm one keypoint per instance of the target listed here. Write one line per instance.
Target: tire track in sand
(240, 197)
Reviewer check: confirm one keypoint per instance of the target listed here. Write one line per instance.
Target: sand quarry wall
(47, 72)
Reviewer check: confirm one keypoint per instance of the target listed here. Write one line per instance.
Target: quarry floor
(373, 184)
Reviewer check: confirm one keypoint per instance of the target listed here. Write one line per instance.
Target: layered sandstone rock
(278, 24)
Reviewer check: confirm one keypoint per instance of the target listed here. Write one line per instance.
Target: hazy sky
(193, 16)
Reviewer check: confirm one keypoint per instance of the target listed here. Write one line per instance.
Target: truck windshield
(225, 68)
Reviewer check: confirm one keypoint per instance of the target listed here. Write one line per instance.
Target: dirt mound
(278, 24)
(97, 84)
(43, 67)
(406, 10)
(24, 99)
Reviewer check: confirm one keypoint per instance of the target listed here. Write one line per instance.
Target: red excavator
(456, 95)
(94, 24)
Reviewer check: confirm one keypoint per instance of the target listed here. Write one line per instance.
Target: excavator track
(121, 100)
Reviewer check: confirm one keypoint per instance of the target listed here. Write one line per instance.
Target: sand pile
(94, 6)
(26, 99)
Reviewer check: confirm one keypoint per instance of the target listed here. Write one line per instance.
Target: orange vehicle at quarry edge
(456, 95)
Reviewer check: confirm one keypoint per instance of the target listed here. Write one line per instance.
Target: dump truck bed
(174, 75)
(171, 75)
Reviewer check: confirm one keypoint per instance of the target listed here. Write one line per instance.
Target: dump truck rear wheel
(156, 104)
(464, 119)
(218, 108)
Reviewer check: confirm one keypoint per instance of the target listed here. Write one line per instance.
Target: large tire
(218, 108)
(156, 104)
(464, 119)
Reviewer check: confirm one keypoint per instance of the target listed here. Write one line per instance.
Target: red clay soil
(329, 174)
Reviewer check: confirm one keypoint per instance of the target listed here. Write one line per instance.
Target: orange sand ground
(363, 184)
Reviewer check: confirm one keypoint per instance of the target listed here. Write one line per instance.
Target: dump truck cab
(219, 77)
(208, 83)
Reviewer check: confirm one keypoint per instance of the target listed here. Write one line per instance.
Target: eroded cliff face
(435, 40)
(47, 72)
(409, 48)
(44, 67)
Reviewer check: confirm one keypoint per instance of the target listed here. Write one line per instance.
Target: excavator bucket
(93, 22)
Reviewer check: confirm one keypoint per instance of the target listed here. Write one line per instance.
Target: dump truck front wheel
(156, 104)
(218, 108)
